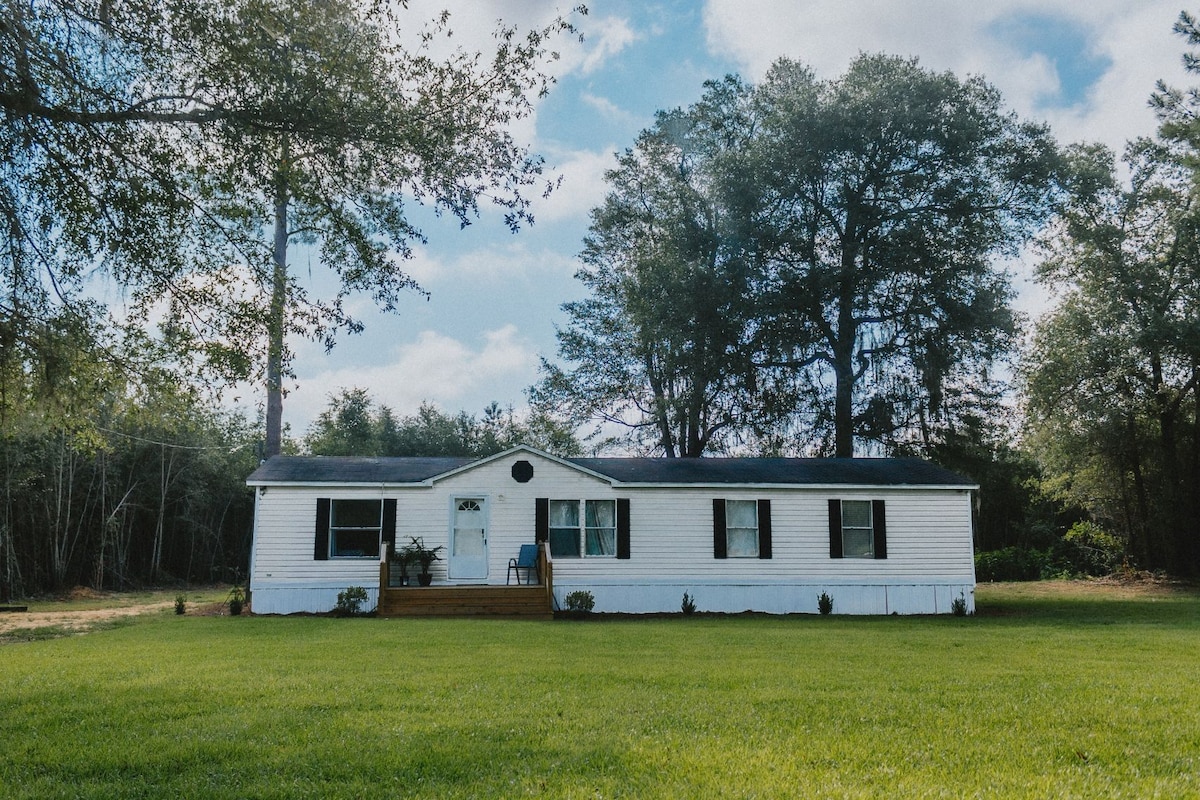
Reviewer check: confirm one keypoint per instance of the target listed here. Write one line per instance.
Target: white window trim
(334, 528)
(581, 529)
(870, 528)
(728, 528)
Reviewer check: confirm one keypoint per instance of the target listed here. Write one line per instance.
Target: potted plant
(237, 598)
(425, 556)
(401, 558)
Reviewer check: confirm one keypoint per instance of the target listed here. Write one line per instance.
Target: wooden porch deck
(455, 600)
(528, 602)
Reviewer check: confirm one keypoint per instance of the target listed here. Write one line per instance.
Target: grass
(1051, 695)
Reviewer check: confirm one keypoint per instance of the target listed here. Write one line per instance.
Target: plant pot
(425, 579)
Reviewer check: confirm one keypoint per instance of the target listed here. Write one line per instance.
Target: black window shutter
(541, 520)
(764, 528)
(880, 524)
(835, 528)
(719, 547)
(622, 527)
(389, 523)
(321, 540)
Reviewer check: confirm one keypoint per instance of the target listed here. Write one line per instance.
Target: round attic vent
(522, 471)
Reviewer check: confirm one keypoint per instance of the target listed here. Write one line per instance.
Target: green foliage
(958, 606)
(349, 601)
(415, 552)
(115, 471)
(180, 604)
(824, 603)
(1085, 550)
(660, 346)
(580, 600)
(948, 708)
(1097, 552)
(236, 600)
(688, 605)
(1110, 379)
(178, 147)
(355, 425)
(1011, 564)
(803, 263)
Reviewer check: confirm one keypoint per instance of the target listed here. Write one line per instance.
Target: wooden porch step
(465, 601)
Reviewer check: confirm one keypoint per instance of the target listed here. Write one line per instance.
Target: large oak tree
(884, 200)
(804, 263)
(181, 146)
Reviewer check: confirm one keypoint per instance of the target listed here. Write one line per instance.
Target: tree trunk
(843, 370)
(275, 322)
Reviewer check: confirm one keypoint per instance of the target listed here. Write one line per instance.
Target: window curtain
(600, 520)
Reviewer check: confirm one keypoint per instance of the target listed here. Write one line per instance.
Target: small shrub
(959, 605)
(349, 602)
(581, 600)
(689, 604)
(1088, 549)
(824, 603)
(180, 604)
(1011, 564)
(237, 598)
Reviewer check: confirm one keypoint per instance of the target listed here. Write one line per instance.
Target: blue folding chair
(526, 560)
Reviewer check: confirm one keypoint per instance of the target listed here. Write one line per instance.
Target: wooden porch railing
(545, 569)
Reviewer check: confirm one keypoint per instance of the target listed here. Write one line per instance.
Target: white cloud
(434, 368)
(604, 38)
(948, 34)
(494, 264)
(610, 110)
(582, 188)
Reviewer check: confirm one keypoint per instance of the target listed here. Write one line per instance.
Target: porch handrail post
(547, 571)
(383, 569)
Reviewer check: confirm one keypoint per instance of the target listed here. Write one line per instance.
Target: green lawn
(1038, 696)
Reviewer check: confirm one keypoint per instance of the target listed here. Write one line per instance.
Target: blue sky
(495, 298)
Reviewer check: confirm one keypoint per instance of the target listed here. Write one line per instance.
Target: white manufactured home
(878, 536)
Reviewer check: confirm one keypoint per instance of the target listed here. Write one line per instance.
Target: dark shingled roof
(699, 471)
(799, 471)
(352, 469)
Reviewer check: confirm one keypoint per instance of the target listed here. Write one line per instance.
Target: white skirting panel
(790, 598)
(302, 599)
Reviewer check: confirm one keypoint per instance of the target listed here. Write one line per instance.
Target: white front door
(468, 539)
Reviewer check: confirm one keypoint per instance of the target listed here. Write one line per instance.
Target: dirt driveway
(78, 621)
(86, 609)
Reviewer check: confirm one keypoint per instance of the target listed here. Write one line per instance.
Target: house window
(564, 528)
(600, 532)
(592, 533)
(858, 536)
(355, 527)
(741, 528)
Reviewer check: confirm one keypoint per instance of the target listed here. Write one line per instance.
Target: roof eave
(812, 486)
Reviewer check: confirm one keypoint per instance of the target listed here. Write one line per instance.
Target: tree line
(804, 266)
